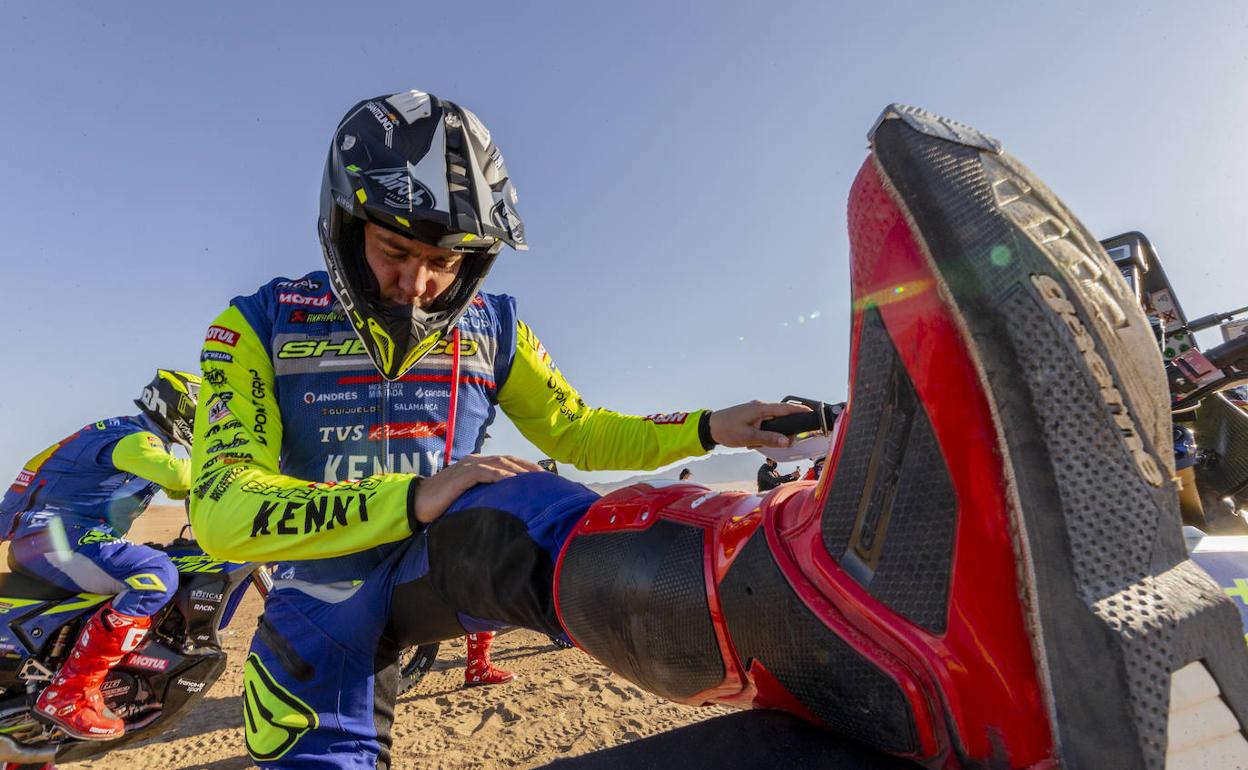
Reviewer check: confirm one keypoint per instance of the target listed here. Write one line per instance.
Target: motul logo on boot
(1055, 297)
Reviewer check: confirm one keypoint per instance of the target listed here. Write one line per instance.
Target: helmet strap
(450, 415)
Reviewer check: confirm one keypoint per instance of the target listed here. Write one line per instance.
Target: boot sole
(1066, 359)
(991, 572)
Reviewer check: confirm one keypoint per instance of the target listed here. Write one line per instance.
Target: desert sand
(561, 704)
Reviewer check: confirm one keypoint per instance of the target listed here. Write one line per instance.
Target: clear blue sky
(682, 168)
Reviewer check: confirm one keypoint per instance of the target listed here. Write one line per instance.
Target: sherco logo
(1054, 296)
(318, 348)
(291, 298)
(354, 347)
(403, 191)
(222, 334)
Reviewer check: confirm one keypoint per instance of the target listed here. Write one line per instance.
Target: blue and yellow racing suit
(304, 456)
(71, 505)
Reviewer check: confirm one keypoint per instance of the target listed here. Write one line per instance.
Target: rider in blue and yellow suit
(67, 515)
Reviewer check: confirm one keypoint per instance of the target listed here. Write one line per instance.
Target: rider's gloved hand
(737, 426)
(437, 492)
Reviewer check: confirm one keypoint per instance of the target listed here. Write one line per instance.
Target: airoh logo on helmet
(403, 191)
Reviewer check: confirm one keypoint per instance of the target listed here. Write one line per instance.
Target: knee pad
(638, 586)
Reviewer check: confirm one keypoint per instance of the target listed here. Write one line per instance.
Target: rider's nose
(416, 282)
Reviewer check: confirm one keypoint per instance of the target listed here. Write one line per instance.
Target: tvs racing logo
(403, 191)
(395, 430)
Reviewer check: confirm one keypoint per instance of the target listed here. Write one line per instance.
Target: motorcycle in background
(1210, 422)
(1211, 431)
(154, 685)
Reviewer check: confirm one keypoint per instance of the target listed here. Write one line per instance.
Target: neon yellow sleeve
(551, 414)
(242, 507)
(144, 455)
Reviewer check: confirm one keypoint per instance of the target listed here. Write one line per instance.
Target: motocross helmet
(170, 401)
(424, 168)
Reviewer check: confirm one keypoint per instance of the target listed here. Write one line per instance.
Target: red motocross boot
(991, 572)
(479, 670)
(72, 701)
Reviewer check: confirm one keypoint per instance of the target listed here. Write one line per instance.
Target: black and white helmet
(427, 169)
(170, 401)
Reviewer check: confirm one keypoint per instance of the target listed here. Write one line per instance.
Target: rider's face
(408, 272)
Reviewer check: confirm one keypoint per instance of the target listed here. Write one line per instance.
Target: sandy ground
(562, 703)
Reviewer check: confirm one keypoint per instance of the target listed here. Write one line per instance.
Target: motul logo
(146, 661)
(24, 477)
(291, 298)
(222, 334)
(391, 430)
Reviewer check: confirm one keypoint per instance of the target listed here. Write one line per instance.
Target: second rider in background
(67, 515)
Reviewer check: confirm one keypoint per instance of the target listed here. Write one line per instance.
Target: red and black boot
(991, 571)
(72, 701)
(478, 669)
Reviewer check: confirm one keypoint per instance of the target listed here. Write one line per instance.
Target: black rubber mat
(771, 625)
(637, 602)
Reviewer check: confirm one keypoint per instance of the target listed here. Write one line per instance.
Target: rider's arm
(550, 413)
(144, 455)
(242, 507)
